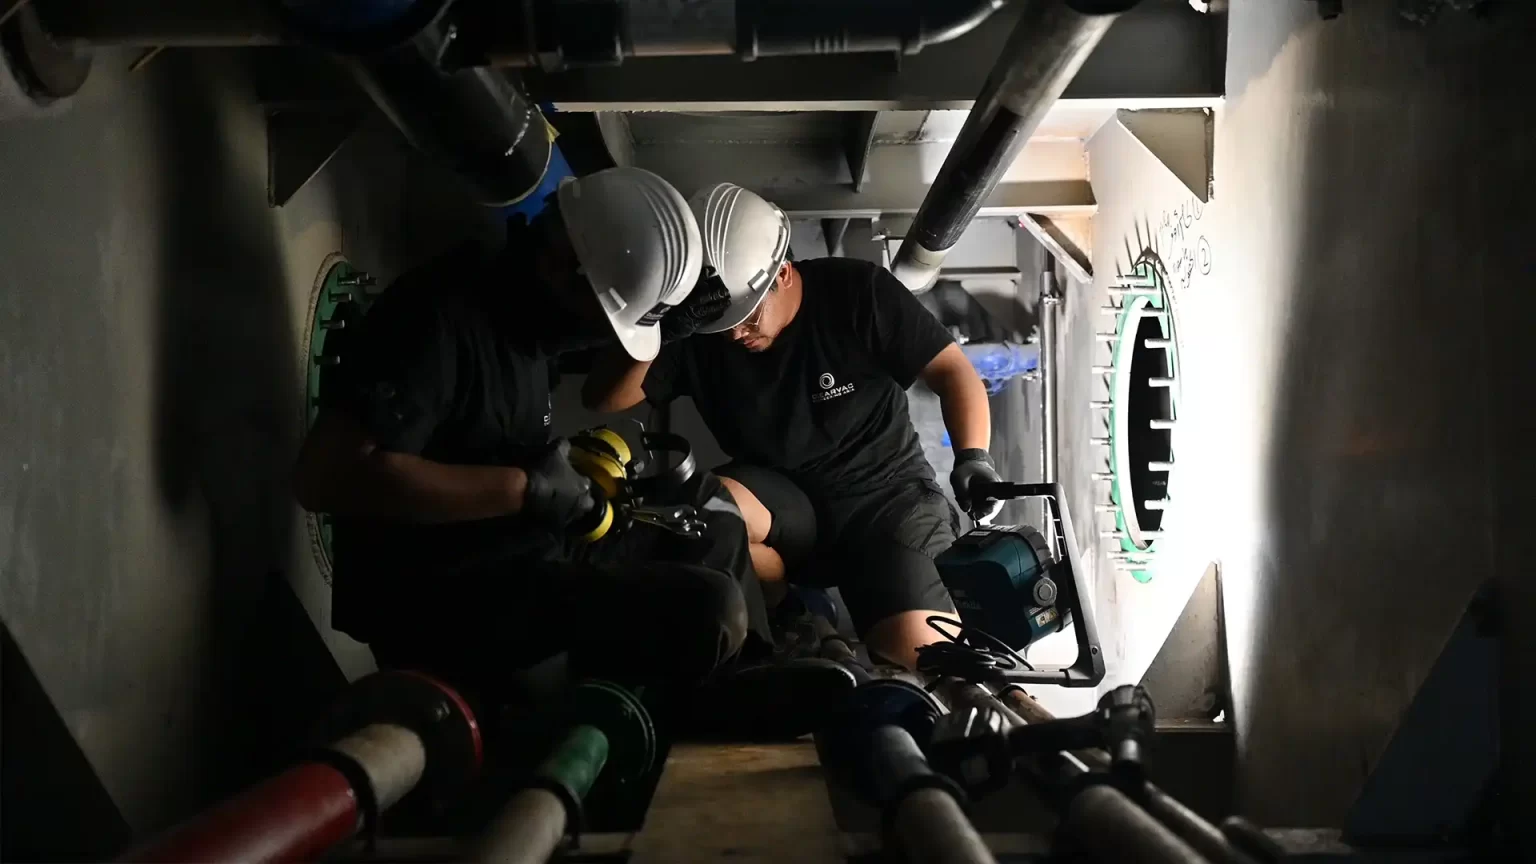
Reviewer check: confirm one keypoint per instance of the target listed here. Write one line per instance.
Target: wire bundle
(969, 653)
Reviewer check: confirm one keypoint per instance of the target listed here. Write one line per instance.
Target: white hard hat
(746, 240)
(638, 244)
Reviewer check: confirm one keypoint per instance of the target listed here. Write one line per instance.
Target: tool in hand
(1014, 587)
(620, 492)
(681, 520)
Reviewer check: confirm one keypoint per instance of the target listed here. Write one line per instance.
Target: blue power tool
(1017, 587)
(1001, 583)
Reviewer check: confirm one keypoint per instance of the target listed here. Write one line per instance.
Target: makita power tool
(1015, 586)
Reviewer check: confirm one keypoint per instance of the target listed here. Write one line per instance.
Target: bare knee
(758, 517)
(897, 637)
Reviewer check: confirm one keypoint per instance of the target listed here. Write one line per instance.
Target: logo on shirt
(830, 389)
(549, 409)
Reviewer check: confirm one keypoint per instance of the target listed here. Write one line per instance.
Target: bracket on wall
(300, 140)
(857, 141)
(832, 230)
(1068, 250)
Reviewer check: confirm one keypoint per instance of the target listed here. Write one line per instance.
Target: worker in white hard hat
(452, 505)
(802, 381)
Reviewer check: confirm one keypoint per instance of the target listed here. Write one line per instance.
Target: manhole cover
(339, 299)
(1138, 413)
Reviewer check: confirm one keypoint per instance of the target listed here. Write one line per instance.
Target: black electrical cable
(970, 653)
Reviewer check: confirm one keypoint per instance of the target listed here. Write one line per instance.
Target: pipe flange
(620, 716)
(339, 298)
(1144, 391)
(843, 744)
(438, 715)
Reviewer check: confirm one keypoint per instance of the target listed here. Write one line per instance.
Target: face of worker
(764, 325)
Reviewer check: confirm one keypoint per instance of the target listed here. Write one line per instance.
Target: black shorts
(877, 549)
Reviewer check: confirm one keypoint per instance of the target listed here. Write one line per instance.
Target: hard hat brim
(736, 313)
(640, 343)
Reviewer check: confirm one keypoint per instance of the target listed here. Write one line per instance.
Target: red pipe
(296, 816)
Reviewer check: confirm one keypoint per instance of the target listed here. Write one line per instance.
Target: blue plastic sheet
(1000, 362)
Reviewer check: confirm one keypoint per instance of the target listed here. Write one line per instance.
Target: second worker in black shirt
(802, 381)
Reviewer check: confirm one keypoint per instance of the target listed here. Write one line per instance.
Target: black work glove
(557, 494)
(707, 301)
(974, 468)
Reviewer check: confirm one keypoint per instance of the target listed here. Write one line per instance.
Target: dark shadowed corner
(225, 424)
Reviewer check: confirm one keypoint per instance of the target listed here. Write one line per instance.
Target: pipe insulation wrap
(1049, 44)
(393, 758)
(476, 119)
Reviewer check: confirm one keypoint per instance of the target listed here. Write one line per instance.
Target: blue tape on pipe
(348, 16)
(533, 204)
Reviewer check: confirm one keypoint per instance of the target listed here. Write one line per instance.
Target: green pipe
(577, 760)
(533, 823)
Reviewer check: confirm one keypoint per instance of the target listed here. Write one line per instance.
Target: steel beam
(300, 141)
(832, 230)
(811, 180)
(859, 138)
(1163, 52)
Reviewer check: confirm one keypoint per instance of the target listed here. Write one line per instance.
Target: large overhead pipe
(559, 35)
(554, 34)
(405, 53)
(1049, 43)
(474, 119)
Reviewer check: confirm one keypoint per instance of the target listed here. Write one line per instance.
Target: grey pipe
(1050, 300)
(476, 120)
(931, 828)
(528, 830)
(1049, 43)
(923, 816)
(392, 757)
(1201, 835)
(556, 36)
(1108, 824)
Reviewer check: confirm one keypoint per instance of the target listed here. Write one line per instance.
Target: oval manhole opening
(1150, 450)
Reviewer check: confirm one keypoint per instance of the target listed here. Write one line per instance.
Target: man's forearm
(340, 470)
(963, 398)
(967, 416)
(616, 381)
(405, 488)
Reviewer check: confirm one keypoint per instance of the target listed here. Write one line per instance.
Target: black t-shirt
(443, 366)
(826, 403)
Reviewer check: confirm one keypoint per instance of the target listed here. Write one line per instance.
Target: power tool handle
(1006, 490)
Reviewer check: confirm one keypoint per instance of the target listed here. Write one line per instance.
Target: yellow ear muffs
(596, 529)
(601, 455)
(615, 442)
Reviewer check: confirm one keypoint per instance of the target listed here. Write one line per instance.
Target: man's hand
(974, 469)
(708, 301)
(557, 494)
